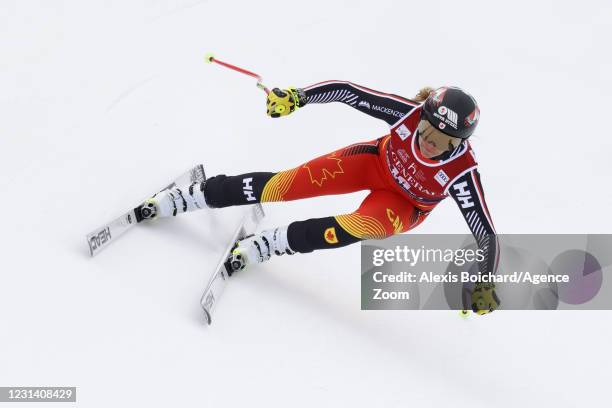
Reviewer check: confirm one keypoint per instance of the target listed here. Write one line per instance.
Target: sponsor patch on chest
(441, 177)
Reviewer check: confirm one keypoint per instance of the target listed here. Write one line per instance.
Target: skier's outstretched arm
(380, 105)
(469, 195)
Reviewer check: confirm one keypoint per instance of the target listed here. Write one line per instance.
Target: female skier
(425, 157)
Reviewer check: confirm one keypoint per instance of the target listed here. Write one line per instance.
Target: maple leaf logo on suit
(322, 170)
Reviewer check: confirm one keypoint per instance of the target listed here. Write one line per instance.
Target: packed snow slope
(102, 102)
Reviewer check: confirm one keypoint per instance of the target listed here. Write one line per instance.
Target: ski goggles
(440, 140)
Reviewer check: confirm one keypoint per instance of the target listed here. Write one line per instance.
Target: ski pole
(210, 58)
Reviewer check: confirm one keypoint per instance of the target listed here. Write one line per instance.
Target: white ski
(218, 280)
(102, 237)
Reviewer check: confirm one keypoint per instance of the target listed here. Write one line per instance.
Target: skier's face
(432, 142)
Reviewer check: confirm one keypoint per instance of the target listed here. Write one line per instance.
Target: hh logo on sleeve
(464, 195)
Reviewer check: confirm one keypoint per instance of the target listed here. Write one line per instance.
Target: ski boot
(258, 248)
(173, 201)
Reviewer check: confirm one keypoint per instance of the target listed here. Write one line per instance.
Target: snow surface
(103, 101)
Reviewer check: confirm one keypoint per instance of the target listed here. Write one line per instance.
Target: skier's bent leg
(382, 214)
(349, 169)
(352, 168)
